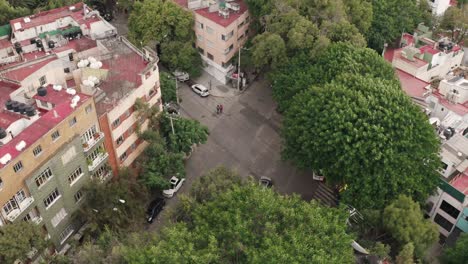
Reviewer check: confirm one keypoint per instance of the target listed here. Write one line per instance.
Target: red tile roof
(429, 49)
(24, 71)
(461, 182)
(460, 109)
(388, 55)
(418, 63)
(53, 96)
(412, 86)
(5, 43)
(409, 39)
(43, 125)
(213, 16)
(77, 45)
(49, 16)
(7, 118)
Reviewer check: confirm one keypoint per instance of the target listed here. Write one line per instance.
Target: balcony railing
(22, 206)
(98, 160)
(37, 220)
(97, 137)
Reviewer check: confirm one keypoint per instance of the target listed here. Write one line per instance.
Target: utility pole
(172, 125)
(238, 70)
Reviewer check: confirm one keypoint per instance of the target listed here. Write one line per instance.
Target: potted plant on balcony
(89, 161)
(96, 135)
(85, 145)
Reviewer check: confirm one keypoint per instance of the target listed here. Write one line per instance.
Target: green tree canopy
(455, 20)
(168, 87)
(405, 222)
(9, 12)
(406, 255)
(17, 239)
(251, 224)
(168, 24)
(458, 253)
(367, 133)
(269, 49)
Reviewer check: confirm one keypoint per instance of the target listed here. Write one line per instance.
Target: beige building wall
(14, 181)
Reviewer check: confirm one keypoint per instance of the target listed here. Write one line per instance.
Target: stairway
(325, 195)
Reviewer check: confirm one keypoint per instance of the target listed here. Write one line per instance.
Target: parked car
(181, 76)
(176, 183)
(154, 208)
(265, 182)
(200, 90)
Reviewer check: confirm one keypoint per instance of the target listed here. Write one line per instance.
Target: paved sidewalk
(217, 88)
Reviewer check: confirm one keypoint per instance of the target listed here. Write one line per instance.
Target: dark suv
(154, 209)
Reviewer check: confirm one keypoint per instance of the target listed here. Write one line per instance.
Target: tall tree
(367, 133)
(390, 19)
(406, 255)
(9, 12)
(455, 20)
(405, 222)
(166, 23)
(269, 50)
(458, 253)
(17, 239)
(250, 224)
(168, 87)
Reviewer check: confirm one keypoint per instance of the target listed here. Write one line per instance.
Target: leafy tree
(343, 31)
(390, 19)
(404, 220)
(351, 130)
(455, 20)
(381, 250)
(166, 23)
(17, 239)
(458, 253)
(159, 165)
(216, 181)
(9, 12)
(406, 254)
(269, 49)
(250, 224)
(359, 13)
(168, 87)
(117, 204)
(187, 133)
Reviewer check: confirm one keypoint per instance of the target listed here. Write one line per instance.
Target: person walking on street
(221, 108)
(218, 109)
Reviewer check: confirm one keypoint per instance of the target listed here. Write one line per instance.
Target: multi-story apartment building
(221, 29)
(43, 165)
(56, 43)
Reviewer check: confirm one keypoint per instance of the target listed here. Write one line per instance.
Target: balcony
(100, 158)
(37, 220)
(97, 138)
(22, 206)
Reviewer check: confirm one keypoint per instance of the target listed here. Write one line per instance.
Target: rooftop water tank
(3, 133)
(8, 104)
(15, 106)
(41, 91)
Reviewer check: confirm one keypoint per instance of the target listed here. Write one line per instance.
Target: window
(133, 146)
(75, 175)
(44, 103)
(89, 134)
(127, 113)
(130, 130)
(20, 196)
(55, 135)
(27, 218)
(78, 195)
(209, 44)
(119, 140)
(66, 233)
(1, 183)
(18, 166)
(89, 108)
(116, 122)
(209, 30)
(72, 121)
(123, 156)
(53, 196)
(199, 37)
(70, 56)
(10, 206)
(224, 37)
(101, 173)
(210, 56)
(201, 51)
(43, 80)
(199, 25)
(444, 223)
(66, 70)
(58, 217)
(37, 150)
(449, 209)
(42, 178)
(226, 51)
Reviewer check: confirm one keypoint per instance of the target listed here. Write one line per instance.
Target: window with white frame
(44, 103)
(123, 156)
(199, 25)
(55, 135)
(89, 134)
(226, 51)
(116, 122)
(100, 173)
(78, 196)
(209, 30)
(27, 218)
(18, 166)
(53, 196)
(58, 217)
(37, 150)
(209, 43)
(199, 37)
(20, 196)
(66, 233)
(119, 140)
(10, 206)
(76, 174)
(42, 178)
(72, 121)
(43, 80)
(89, 108)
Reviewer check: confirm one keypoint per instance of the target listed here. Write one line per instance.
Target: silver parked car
(200, 90)
(181, 76)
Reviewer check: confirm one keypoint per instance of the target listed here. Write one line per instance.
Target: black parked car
(154, 209)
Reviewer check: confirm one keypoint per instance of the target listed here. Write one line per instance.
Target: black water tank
(15, 106)
(3, 133)
(22, 108)
(41, 91)
(39, 43)
(18, 47)
(30, 111)
(449, 132)
(8, 104)
(51, 44)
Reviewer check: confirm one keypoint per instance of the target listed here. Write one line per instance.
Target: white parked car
(200, 90)
(176, 183)
(181, 76)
